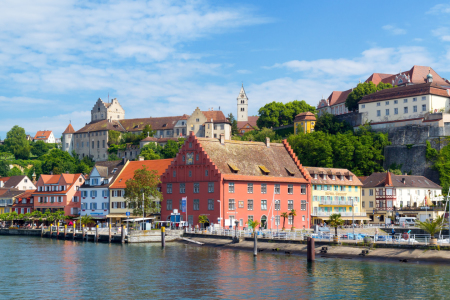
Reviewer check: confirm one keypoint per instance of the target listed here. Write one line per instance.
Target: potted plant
(284, 216)
(202, 219)
(432, 227)
(293, 213)
(335, 221)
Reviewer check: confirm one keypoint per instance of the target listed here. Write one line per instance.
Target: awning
(137, 219)
(94, 218)
(123, 216)
(356, 218)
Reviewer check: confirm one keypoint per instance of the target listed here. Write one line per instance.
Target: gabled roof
(107, 169)
(4, 179)
(216, 115)
(376, 78)
(247, 157)
(251, 121)
(333, 171)
(305, 116)
(27, 194)
(101, 125)
(418, 74)
(42, 135)
(338, 97)
(411, 181)
(13, 181)
(12, 192)
(69, 129)
(155, 123)
(159, 165)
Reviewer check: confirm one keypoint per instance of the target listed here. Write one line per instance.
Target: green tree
(113, 157)
(4, 168)
(39, 148)
(113, 137)
(293, 213)
(16, 142)
(86, 220)
(335, 221)
(284, 216)
(275, 114)
(171, 149)
(147, 131)
(233, 122)
(15, 172)
(203, 219)
(144, 184)
(313, 149)
(58, 162)
(329, 123)
(361, 90)
(6, 156)
(260, 135)
(149, 154)
(432, 227)
(253, 224)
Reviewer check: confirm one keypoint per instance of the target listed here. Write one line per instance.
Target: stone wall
(353, 118)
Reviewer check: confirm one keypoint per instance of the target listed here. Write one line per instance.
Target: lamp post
(353, 219)
(426, 204)
(143, 211)
(220, 214)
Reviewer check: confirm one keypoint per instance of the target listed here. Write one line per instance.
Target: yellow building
(304, 121)
(335, 191)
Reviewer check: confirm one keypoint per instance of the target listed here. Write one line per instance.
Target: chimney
(141, 158)
(2, 184)
(51, 172)
(222, 139)
(124, 160)
(267, 142)
(403, 180)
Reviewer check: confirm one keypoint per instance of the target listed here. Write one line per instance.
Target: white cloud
(439, 9)
(418, 40)
(243, 71)
(394, 30)
(442, 33)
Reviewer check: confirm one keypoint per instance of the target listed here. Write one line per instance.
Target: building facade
(95, 191)
(8, 199)
(24, 203)
(46, 136)
(111, 111)
(304, 122)
(230, 181)
(335, 191)
(385, 195)
(21, 182)
(59, 192)
(67, 142)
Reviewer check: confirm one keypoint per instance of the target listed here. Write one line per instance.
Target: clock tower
(242, 106)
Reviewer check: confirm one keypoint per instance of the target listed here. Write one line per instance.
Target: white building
(95, 190)
(46, 136)
(21, 182)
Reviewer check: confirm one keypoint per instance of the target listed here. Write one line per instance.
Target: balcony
(337, 202)
(343, 214)
(421, 208)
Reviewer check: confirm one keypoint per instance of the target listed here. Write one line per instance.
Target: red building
(58, 192)
(24, 203)
(234, 180)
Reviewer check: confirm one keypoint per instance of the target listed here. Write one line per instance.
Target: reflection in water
(44, 268)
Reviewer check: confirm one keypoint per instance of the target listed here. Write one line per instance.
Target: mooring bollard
(96, 234)
(57, 230)
(123, 234)
(65, 231)
(163, 236)
(51, 230)
(255, 244)
(109, 239)
(42, 230)
(73, 236)
(82, 234)
(310, 254)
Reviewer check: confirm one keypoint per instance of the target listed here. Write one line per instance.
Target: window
(290, 189)
(210, 187)
(277, 188)
(104, 205)
(93, 206)
(196, 188)
(263, 204)
(183, 158)
(395, 101)
(378, 113)
(277, 220)
(405, 100)
(169, 188)
(174, 174)
(263, 188)
(303, 205)
(363, 192)
(379, 103)
(387, 112)
(370, 204)
(93, 194)
(414, 99)
(424, 107)
(387, 102)
(231, 187)
(206, 173)
(84, 194)
(303, 189)
(210, 204)
(197, 120)
(196, 204)
(231, 204)
(290, 219)
(363, 106)
(415, 108)
(241, 204)
(196, 157)
(363, 204)
(370, 192)
(169, 205)
(249, 204)
(277, 204)
(52, 199)
(250, 188)
(395, 111)
(424, 98)
(405, 110)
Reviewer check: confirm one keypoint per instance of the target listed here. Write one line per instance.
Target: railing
(337, 202)
(343, 214)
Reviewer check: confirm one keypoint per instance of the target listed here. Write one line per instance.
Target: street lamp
(353, 219)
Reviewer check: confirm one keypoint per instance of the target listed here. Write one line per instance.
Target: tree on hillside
(4, 168)
(234, 127)
(143, 187)
(313, 149)
(113, 137)
(171, 149)
(16, 142)
(329, 123)
(147, 131)
(276, 114)
(113, 157)
(39, 148)
(361, 90)
(58, 162)
(14, 172)
(149, 152)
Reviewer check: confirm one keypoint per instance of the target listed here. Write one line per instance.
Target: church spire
(242, 105)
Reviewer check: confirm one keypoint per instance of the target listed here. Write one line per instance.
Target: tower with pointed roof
(67, 142)
(242, 106)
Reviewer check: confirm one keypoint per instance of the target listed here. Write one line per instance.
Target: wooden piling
(310, 253)
(42, 231)
(82, 233)
(123, 234)
(65, 231)
(163, 236)
(51, 230)
(96, 234)
(73, 236)
(109, 239)
(57, 230)
(255, 244)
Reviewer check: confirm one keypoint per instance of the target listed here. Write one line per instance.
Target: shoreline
(400, 255)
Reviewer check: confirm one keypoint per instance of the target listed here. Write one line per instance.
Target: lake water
(41, 268)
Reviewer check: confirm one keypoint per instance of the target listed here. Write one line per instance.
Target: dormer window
(341, 177)
(333, 177)
(315, 176)
(114, 171)
(350, 178)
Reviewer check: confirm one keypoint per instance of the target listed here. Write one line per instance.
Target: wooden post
(51, 230)
(163, 236)
(310, 254)
(65, 231)
(82, 233)
(255, 244)
(73, 236)
(96, 234)
(57, 230)
(109, 233)
(42, 231)
(123, 234)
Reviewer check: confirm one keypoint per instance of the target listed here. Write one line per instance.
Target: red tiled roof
(42, 135)
(155, 123)
(216, 115)
(309, 116)
(251, 121)
(4, 179)
(333, 171)
(127, 172)
(379, 180)
(418, 74)
(338, 97)
(27, 194)
(376, 78)
(69, 129)
(101, 126)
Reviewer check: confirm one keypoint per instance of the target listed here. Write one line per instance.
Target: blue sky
(163, 58)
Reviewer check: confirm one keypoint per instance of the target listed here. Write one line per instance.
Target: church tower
(242, 106)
